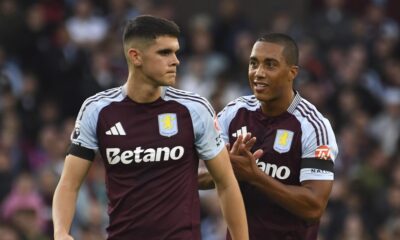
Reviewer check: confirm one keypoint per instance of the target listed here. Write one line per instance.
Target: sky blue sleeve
(84, 133)
(208, 139)
(224, 121)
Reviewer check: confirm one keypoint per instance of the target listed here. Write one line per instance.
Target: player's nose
(260, 72)
(175, 61)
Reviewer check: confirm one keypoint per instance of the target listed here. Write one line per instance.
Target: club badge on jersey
(283, 140)
(167, 124)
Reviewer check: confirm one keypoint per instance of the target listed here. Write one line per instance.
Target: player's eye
(253, 64)
(270, 64)
(165, 52)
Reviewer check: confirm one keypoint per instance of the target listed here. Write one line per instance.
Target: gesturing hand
(243, 161)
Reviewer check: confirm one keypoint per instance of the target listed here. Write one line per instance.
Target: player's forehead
(165, 42)
(267, 50)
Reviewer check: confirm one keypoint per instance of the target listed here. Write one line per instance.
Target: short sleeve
(319, 151)
(84, 133)
(208, 139)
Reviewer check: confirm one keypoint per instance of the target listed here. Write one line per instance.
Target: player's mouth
(171, 73)
(260, 86)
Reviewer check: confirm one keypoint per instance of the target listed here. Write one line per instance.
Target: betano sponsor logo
(139, 155)
(273, 170)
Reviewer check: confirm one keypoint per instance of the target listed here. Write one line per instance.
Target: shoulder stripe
(251, 100)
(110, 94)
(318, 119)
(100, 96)
(103, 93)
(200, 100)
(307, 116)
(248, 102)
(182, 91)
(220, 113)
(191, 94)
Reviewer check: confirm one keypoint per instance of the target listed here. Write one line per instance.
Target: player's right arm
(81, 154)
(64, 200)
(205, 181)
(229, 194)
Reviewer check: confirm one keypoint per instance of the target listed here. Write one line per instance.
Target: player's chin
(170, 81)
(262, 96)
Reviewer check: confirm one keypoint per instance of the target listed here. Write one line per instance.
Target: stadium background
(55, 53)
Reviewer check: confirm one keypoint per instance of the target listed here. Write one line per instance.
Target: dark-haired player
(286, 182)
(150, 137)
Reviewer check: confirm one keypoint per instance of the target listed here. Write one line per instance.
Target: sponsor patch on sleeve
(323, 152)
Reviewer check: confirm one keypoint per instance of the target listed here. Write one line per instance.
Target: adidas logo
(241, 131)
(116, 130)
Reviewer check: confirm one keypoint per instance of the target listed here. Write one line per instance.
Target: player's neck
(277, 106)
(141, 91)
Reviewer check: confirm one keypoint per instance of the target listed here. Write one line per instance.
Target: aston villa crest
(167, 124)
(283, 140)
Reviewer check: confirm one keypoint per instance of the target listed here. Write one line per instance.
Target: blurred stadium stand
(56, 53)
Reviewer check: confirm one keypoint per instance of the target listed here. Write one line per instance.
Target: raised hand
(242, 160)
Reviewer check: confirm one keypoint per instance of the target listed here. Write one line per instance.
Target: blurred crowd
(56, 53)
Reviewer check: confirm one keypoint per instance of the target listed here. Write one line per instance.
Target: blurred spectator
(6, 174)
(55, 53)
(11, 71)
(119, 11)
(230, 22)
(378, 23)
(85, 27)
(201, 67)
(331, 25)
(28, 107)
(62, 70)
(24, 208)
(386, 127)
(354, 229)
(9, 232)
(11, 27)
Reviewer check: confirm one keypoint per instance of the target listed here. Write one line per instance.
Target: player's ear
(135, 56)
(294, 70)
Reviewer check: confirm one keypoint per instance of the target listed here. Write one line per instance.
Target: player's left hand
(243, 161)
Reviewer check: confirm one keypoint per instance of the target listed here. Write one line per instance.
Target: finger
(247, 137)
(245, 152)
(250, 143)
(257, 154)
(228, 146)
(236, 144)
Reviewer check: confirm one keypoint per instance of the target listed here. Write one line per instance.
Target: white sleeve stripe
(318, 119)
(111, 94)
(176, 95)
(317, 130)
(190, 94)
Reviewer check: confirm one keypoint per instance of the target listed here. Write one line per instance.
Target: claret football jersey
(298, 145)
(150, 152)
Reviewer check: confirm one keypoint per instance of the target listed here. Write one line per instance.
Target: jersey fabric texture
(298, 145)
(150, 152)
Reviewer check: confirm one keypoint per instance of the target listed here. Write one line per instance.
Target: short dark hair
(149, 27)
(290, 51)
